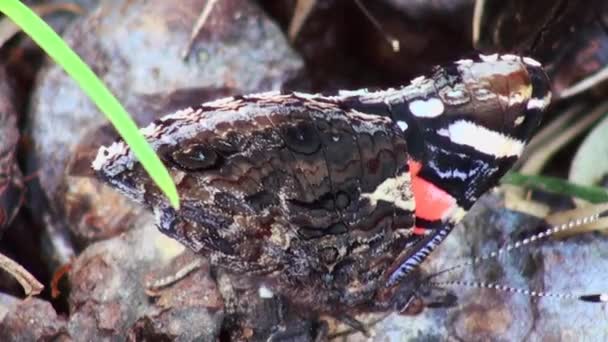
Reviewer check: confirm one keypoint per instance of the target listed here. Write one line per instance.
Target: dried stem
(30, 285)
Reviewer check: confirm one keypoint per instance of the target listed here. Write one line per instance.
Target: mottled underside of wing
(264, 185)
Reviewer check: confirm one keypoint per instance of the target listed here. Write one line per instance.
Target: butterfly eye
(195, 157)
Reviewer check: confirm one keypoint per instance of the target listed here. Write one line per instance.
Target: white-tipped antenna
(392, 41)
(571, 224)
(590, 298)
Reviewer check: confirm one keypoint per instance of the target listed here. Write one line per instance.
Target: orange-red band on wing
(432, 203)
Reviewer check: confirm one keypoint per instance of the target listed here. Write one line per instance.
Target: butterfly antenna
(391, 40)
(590, 298)
(551, 230)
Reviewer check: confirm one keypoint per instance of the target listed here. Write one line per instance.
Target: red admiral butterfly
(334, 200)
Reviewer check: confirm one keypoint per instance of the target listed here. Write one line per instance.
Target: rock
(345, 50)
(33, 319)
(490, 315)
(190, 309)
(11, 183)
(136, 47)
(108, 297)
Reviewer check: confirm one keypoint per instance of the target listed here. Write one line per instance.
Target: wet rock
(108, 295)
(33, 319)
(136, 48)
(189, 309)
(582, 56)
(7, 304)
(11, 183)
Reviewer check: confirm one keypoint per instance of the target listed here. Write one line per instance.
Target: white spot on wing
(489, 58)
(426, 109)
(393, 190)
(402, 125)
(456, 95)
(535, 103)
(531, 62)
(482, 139)
(418, 81)
(265, 292)
(509, 57)
(465, 62)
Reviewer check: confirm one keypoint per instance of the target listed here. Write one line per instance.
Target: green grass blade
(63, 55)
(592, 194)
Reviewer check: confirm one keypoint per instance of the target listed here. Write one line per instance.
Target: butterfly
(334, 200)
